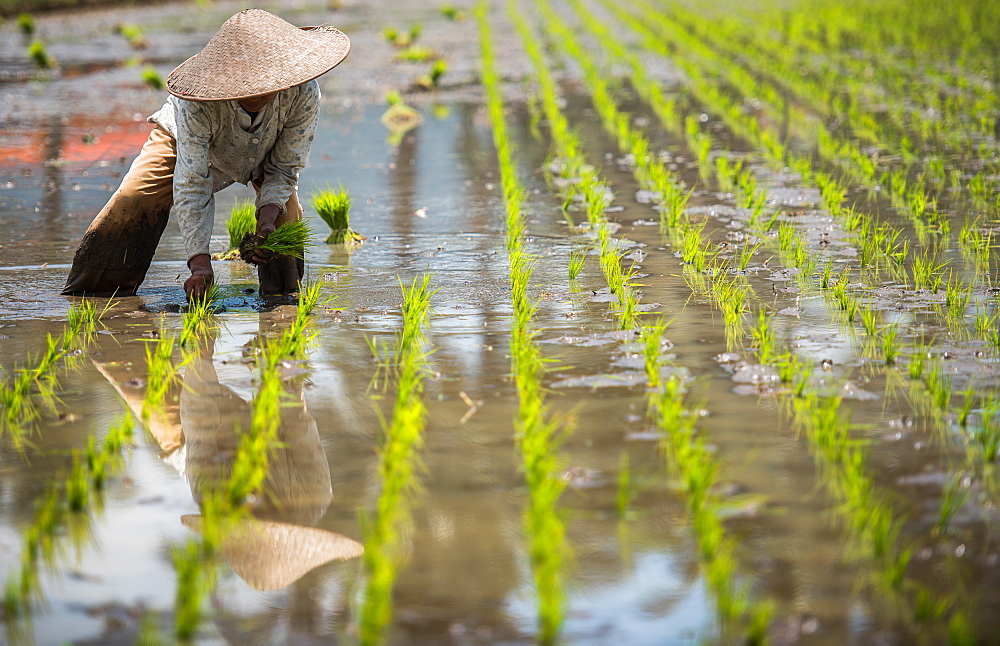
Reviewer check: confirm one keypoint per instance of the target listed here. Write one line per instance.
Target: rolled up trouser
(117, 248)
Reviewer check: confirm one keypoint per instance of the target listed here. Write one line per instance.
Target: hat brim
(270, 556)
(256, 53)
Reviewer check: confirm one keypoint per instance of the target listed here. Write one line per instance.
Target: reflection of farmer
(244, 110)
(276, 544)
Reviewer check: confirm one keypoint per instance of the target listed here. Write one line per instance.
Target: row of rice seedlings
(66, 510)
(579, 176)
(910, 89)
(914, 202)
(852, 307)
(691, 455)
(733, 114)
(910, 197)
(383, 530)
(800, 370)
(840, 459)
(37, 378)
(651, 171)
(688, 238)
(785, 70)
(888, 246)
(538, 431)
(693, 460)
(593, 189)
(195, 559)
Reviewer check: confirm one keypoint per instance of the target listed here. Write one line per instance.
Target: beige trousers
(115, 252)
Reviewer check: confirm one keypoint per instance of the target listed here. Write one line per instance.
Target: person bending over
(244, 109)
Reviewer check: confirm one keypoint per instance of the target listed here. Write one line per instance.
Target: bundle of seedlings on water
(399, 118)
(40, 55)
(26, 23)
(133, 34)
(334, 208)
(432, 79)
(416, 54)
(289, 239)
(400, 38)
(152, 78)
(451, 12)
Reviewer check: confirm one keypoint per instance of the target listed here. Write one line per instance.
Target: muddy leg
(282, 274)
(117, 248)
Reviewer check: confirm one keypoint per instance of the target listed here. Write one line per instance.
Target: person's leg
(282, 274)
(115, 252)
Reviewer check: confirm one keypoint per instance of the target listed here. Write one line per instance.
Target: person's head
(254, 55)
(257, 103)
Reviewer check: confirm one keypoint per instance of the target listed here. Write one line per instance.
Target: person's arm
(286, 159)
(194, 202)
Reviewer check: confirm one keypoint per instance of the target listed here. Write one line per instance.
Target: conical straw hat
(254, 53)
(270, 555)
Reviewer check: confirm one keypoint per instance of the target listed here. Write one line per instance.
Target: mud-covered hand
(202, 276)
(266, 217)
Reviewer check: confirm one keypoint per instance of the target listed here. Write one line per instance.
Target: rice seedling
(870, 321)
(198, 317)
(938, 387)
(289, 239)
(192, 588)
(577, 259)
(915, 369)
(890, 344)
(161, 373)
(334, 207)
(26, 24)
(40, 55)
(675, 205)
(432, 79)
(401, 39)
(451, 12)
(954, 496)
(956, 298)
(731, 296)
(987, 436)
(747, 252)
(398, 465)
(133, 34)
(416, 54)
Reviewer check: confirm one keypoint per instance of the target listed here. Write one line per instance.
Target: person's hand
(265, 227)
(202, 276)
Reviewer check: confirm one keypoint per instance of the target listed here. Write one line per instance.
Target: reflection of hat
(256, 52)
(270, 555)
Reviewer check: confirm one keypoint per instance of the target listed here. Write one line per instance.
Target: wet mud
(429, 200)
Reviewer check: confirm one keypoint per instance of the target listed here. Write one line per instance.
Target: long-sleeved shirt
(215, 150)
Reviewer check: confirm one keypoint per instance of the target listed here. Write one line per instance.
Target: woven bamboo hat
(254, 53)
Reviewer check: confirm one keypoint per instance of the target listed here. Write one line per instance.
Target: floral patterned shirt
(214, 150)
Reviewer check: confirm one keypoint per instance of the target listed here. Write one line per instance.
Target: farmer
(244, 109)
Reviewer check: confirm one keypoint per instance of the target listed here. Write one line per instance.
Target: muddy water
(428, 203)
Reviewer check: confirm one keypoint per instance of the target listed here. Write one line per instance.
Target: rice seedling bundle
(334, 208)
(289, 239)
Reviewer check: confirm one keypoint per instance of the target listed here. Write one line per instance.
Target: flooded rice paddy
(672, 325)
